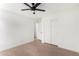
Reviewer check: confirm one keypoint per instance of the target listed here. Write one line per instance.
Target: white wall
(65, 30)
(15, 29)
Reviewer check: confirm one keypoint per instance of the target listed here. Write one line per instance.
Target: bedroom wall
(65, 27)
(15, 29)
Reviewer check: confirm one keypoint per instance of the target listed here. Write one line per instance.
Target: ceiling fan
(33, 7)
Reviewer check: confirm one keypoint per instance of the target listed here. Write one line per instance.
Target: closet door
(48, 30)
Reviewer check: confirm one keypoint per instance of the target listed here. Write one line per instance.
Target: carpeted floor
(36, 48)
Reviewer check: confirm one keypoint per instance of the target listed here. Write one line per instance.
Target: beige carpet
(36, 48)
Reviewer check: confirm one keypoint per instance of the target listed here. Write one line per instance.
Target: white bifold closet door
(45, 30)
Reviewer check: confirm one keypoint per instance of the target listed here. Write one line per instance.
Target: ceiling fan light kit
(33, 7)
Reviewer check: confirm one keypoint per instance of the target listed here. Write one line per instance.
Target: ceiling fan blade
(24, 9)
(27, 5)
(40, 10)
(37, 4)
